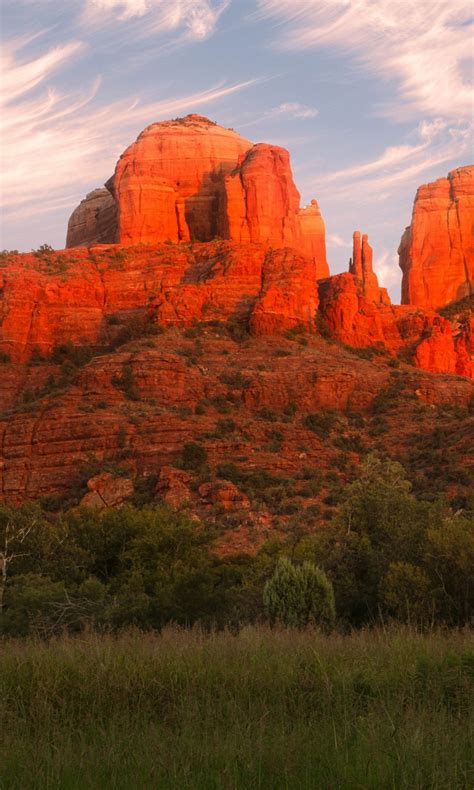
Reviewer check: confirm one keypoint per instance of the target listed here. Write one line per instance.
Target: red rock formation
(358, 312)
(89, 297)
(313, 237)
(360, 266)
(167, 183)
(437, 249)
(43, 448)
(105, 490)
(289, 296)
(190, 179)
(92, 295)
(94, 221)
(261, 203)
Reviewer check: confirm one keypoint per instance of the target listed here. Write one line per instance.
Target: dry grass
(263, 709)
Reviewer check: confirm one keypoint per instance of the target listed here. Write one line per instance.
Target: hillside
(192, 347)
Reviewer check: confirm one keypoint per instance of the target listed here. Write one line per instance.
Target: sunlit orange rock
(261, 203)
(355, 310)
(437, 250)
(361, 267)
(167, 183)
(313, 237)
(193, 180)
(289, 296)
(88, 297)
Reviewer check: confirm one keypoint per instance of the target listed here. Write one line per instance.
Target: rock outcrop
(105, 490)
(122, 355)
(261, 203)
(437, 250)
(47, 443)
(355, 310)
(167, 184)
(361, 267)
(87, 298)
(193, 180)
(94, 221)
(94, 297)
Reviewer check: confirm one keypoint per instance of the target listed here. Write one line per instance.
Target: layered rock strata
(193, 180)
(354, 309)
(436, 251)
(88, 297)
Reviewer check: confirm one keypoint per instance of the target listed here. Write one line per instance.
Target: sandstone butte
(177, 330)
(437, 250)
(193, 180)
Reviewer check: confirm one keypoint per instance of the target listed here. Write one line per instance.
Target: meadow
(263, 708)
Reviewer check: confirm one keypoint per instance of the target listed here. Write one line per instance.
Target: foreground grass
(281, 709)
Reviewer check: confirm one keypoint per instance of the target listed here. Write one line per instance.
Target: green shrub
(44, 251)
(299, 595)
(321, 423)
(194, 456)
(225, 426)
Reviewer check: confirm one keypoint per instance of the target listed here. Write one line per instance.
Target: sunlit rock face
(437, 249)
(167, 184)
(261, 203)
(193, 180)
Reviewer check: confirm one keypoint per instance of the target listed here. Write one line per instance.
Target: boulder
(105, 490)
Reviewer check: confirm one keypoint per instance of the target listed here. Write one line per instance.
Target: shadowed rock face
(192, 180)
(437, 250)
(94, 221)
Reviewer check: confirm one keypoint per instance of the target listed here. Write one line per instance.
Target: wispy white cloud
(398, 166)
(53, 143)
(387, 269)
(422, 46)
(192, 19)
(333, 240)
(294, 110)
(286, 110)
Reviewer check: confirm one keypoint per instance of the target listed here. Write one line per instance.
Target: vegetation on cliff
(386, 554)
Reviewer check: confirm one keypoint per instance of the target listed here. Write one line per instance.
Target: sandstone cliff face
(261, 203)
(94, 221)
(167, 183)
(45, 443)
(184, 334)
(312, 240)
(359, 313)
(437, 250)
(89, 297)
(190, 179)
(85, 298)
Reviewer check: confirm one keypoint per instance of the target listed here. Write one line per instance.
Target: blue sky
(371, 97)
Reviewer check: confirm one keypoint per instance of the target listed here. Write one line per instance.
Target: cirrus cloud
(422, 46)
(56, 143)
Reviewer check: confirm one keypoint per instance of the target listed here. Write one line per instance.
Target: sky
(371, 97)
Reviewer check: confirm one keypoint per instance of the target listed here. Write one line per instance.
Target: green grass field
(264, 709)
